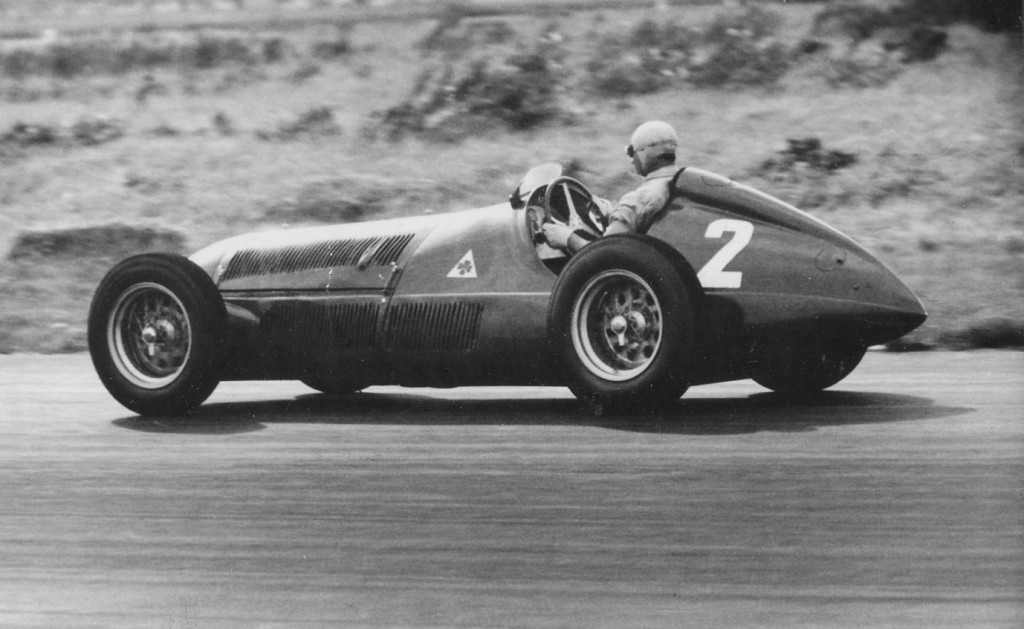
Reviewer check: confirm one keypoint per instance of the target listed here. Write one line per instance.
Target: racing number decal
(714, 275)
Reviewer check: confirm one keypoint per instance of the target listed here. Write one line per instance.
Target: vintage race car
(730, 284)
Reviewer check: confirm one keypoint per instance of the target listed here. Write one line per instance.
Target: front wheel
(622, 323)
(156, 331)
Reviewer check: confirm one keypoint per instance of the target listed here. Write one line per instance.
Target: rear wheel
(801, 370)
(622, 324)
(156, 331)
(333, 387)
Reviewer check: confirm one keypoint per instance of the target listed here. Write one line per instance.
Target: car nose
(896, 309)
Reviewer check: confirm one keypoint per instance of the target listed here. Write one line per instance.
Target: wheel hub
(617, 329)
(634, 322)
(149, 335)
(158, 333)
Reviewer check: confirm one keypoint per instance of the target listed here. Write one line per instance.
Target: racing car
(730, 284)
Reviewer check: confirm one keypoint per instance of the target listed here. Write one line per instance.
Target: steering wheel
(565, 197)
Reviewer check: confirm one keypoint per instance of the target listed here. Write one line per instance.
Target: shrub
(735, 49)
(918, 44)
(755, 21)
(992, 15)
(855, 20)
(808, 151)
(330, 201)
(223, 124)
(303, 72)
(315, 122)
(86, 131)
(274, 50)
(150, 87)
(518, 94)
(339, 46)
(622, 75)
(210, 52)
(93, 130)
(25, 135)
(139, 55)
(164, 130)
(741, 60)
(802, 173)
(18, 63)
(439, 36)
(114, 240)
(453, 37)
(868, 66)
(742, 50)
(68, 60)
(75, 57)
(993, 333)
(646, 60)
(357, 198)
(881, 39)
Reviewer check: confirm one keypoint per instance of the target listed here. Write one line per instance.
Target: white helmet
(652, 140)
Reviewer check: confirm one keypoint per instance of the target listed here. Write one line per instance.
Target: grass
(935, 190)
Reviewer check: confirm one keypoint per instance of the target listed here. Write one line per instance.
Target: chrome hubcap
(149, 335)
(616, 325)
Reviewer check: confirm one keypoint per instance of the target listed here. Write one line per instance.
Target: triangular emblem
(465, 267)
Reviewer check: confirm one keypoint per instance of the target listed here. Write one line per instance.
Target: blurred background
(138, 125)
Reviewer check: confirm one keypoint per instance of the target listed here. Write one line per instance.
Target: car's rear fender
(769, 265)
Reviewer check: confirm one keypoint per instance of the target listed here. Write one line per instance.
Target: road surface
(895, 500)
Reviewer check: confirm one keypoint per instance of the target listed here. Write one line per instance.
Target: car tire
(157, 325)
(622, 323)
(802, 371)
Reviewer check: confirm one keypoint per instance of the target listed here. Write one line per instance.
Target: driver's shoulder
(663, 173)
(657, 184)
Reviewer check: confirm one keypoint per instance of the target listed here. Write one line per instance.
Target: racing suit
(635, 213)
(639, 209)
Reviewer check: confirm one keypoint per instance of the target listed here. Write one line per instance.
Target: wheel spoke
(617, 325)
(149, 334)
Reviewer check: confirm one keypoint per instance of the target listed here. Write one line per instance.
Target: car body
(731, 283)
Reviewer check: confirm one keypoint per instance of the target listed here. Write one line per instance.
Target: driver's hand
(557, 235)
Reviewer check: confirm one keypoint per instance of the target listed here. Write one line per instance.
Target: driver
(652, 150)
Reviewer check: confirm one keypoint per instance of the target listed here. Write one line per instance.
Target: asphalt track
(895, 500)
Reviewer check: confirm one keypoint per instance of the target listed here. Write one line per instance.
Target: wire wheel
(150, 335)
(623, 323)
(616, 325)
(157, 330)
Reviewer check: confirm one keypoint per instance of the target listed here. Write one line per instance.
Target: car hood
(287, 253)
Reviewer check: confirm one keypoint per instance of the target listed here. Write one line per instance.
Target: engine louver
(444, 327)
(362, 252)
(300, 328)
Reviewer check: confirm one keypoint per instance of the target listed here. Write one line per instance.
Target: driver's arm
(618, 227)
(565, 238)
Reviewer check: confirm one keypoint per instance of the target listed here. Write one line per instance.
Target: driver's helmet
(651, 140)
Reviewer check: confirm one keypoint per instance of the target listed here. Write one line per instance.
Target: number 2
(714, 275)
